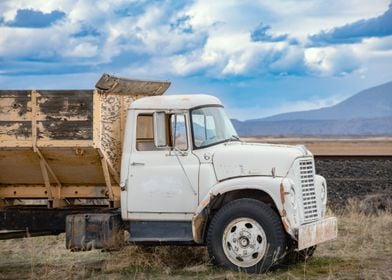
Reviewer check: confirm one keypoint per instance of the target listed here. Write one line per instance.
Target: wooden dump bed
(63, 147)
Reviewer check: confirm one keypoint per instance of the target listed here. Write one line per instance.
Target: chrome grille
(308, 190)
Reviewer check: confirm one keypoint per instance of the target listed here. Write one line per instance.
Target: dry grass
(362, 251)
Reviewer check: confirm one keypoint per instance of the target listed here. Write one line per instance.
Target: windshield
(211, 126)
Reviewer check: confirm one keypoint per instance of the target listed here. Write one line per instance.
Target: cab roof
(168, 102)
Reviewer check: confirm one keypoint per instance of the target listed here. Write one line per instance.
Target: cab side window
(145, 133)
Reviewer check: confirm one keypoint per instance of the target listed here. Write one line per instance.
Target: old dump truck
(165, 169)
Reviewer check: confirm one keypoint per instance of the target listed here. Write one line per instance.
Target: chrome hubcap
(244, 242)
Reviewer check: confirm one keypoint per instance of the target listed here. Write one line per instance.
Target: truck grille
(308, 190)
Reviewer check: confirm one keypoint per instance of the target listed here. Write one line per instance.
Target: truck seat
(143, 145)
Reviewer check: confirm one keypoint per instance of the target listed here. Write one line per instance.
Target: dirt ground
(365, 179)
(363, 250)
(334, 146)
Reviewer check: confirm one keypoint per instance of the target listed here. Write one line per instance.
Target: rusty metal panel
(318, 232)
(65, 130)
(15, 130)
(15, 105)
(65, 114)
(116, 85)
(53, 139)
(113, 115)
(66, 105)
(15, 115)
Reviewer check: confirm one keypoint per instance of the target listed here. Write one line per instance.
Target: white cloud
(83, 50)
(301, 18)
(26, 42)
(218, 43)
(331, 61)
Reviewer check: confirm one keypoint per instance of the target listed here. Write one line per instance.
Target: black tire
(265, 216)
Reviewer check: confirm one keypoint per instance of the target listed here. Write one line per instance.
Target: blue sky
(260, 57)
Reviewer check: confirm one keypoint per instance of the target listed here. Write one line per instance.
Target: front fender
(271, 185)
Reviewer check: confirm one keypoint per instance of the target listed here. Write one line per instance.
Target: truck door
(162, 180)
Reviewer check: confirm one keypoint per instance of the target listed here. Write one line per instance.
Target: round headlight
(293, 199)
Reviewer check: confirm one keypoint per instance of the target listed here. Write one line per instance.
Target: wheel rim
(244, 242)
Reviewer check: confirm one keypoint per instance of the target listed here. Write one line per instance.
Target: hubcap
(244, 242)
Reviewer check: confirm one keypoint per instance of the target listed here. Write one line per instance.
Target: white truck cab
(187, 178)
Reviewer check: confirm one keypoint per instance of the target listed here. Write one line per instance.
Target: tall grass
(363, 250)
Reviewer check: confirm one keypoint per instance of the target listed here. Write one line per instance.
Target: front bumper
(317, 232)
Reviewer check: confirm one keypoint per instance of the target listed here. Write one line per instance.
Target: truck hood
(251, 159)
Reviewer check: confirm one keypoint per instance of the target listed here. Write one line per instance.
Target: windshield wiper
(233, 138)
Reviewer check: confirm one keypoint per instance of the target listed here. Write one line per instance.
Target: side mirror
(160, 129)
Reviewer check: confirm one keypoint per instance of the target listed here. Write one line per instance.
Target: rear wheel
(247, 235)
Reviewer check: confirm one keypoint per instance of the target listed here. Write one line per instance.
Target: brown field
(362, 251)
(381, 146)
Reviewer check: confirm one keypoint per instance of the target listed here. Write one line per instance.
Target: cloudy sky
(260, 57)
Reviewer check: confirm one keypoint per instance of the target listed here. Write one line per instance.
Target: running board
(168, 232)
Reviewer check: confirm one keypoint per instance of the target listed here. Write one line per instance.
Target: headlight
(293, 198)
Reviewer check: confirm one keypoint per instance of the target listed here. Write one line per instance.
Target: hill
(375, 102)
(368, 112)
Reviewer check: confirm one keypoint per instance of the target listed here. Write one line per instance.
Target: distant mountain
(355, 127)
(368, 112)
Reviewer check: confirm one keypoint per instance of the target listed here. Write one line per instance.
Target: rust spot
(285, 221)
(79, 152)
(282, 194)
(285, 224)
(318, 232)
(198, 223)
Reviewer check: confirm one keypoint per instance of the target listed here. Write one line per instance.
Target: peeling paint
(318, 232)
(198, 223)
(282, 194)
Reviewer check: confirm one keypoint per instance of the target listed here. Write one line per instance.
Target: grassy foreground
(362, 251)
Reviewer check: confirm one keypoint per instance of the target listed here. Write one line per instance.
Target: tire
(246, 235)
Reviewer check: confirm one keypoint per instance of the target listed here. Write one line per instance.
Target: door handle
(137, 163)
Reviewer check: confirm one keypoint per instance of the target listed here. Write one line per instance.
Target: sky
(260, 57)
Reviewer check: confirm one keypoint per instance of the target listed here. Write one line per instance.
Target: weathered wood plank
(14, 105)
(15, 130)
(65, 105)
(65, 130)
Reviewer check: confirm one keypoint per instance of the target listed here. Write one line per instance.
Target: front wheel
(247, 235)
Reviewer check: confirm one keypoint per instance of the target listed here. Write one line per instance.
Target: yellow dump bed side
(63, 147)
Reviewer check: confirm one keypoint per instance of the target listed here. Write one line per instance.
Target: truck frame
(166, 169)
